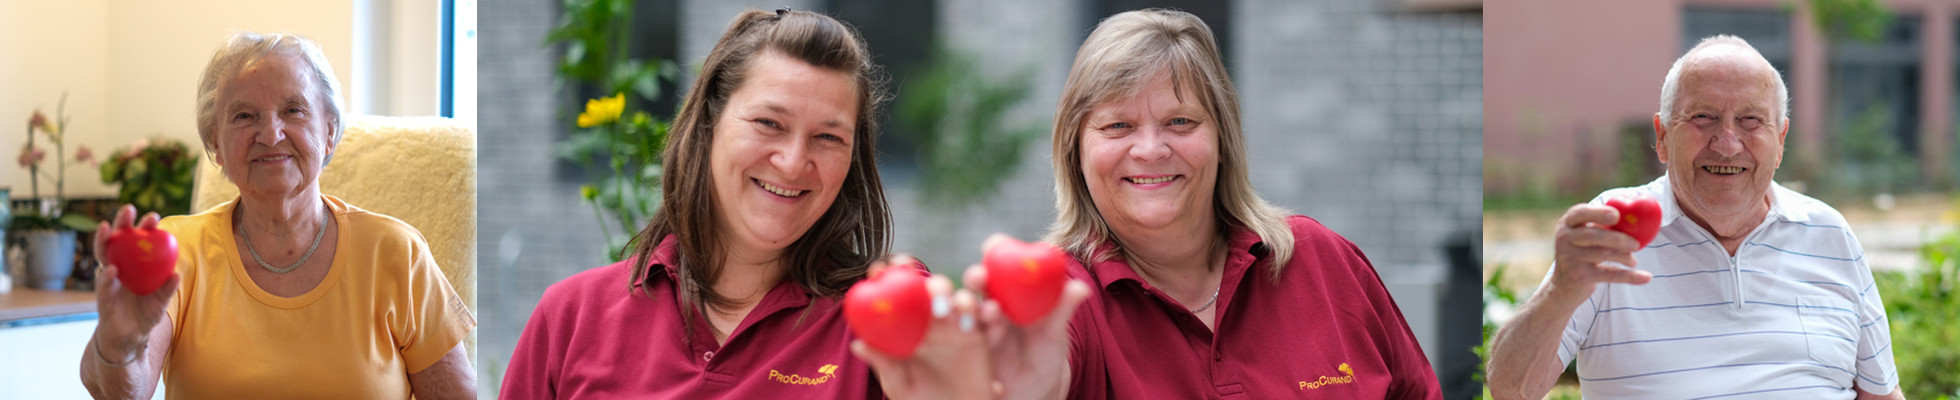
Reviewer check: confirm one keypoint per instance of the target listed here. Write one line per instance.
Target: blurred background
(1573, 85)
(1364, 114)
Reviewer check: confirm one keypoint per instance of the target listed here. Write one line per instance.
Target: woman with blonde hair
(1199, 288)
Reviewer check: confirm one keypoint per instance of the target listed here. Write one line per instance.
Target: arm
(132, 335)
(1895, 395)
(1029, 362)
(1524, 362)
(449, 378)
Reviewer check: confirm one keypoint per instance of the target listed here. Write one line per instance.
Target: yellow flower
(602, 110)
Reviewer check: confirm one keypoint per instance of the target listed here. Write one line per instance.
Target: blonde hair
(245, 48)
(1123, 54)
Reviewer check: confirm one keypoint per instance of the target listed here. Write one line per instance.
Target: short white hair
(246, 48)
(1670, 88)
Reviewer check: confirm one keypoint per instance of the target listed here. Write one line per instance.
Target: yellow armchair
(421, 170)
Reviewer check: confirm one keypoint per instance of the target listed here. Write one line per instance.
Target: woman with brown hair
(1199, 288)
(772, 209)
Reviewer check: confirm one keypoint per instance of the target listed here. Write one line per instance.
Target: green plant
(620, 149)
(959, 118)
(1494, 292)
(1920, 306)
(154, 175)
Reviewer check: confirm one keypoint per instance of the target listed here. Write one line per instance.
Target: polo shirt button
(707, 356)
(1217, 356)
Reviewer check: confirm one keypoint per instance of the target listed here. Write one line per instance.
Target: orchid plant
(48, 215)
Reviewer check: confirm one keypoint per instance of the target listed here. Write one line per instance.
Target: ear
(1660, 138)
(1781, 135)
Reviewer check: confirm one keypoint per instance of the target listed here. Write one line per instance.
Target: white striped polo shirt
(1794, 314)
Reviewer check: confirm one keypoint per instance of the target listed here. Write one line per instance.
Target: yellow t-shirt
(383, 311)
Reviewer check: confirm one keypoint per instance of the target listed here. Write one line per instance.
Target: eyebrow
(780, 109)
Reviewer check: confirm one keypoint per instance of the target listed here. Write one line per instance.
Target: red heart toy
(1640, 216)
(144, 258)
(1025, 278)
(890, 310)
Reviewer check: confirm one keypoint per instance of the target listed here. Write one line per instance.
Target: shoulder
(194, 226)
(1312, 240)
(597, 285)
(379, 227)
(1810, 209)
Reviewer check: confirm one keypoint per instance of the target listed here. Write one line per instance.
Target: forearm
(109, 373)
(1524, 354)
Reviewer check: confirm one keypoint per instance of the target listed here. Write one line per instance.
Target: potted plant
(50, 236)
(154, 175)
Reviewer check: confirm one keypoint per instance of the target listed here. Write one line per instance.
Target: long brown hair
(856, 229)
(1115, 62)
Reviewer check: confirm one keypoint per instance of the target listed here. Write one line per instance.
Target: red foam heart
(144, 258)
(890, 310)
(1025, 278)
(1640, 216)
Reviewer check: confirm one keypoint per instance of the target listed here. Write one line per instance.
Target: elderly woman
(284, 292)
(1198, 287)
(772, 209)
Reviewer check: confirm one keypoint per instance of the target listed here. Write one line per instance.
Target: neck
(1732, 228)
(283, 221)
(748, 275)
(1171, 256)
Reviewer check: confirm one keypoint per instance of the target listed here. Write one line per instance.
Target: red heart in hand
(144, 258)
(890, 310)
(1640, 216)
(1025, 278)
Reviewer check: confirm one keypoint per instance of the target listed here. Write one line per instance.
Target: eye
(1751, 122)
(295, 110)
(241, 116)
(768, 123)
(831, 138)
(1116, 126)
(1182, 121)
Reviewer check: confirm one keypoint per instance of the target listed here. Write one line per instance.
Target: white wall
(47, 47)
(131, 67)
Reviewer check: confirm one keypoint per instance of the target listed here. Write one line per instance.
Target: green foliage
(959, 118)
(1862, 20)
(1868, 157)
(154, 176)
(1921, 307)
(1494, 292)
(622, 155)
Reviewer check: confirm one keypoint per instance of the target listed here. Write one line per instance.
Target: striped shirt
(1794, 314)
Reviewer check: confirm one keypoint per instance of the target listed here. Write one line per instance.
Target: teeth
(1151, 181)
(1724, 170)
(779, 191)
(276, 158)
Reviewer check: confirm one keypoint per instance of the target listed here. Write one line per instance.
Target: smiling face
(273, 132)
(1724, 142)
(782, 147)
(1151, 161)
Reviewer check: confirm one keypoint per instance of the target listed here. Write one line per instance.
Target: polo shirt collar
(664, 255)
(1781, 199)
(786, 295)
(1244, 249)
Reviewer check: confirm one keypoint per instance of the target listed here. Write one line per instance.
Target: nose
(1150, 144)
(1728, 142)
(275, 131)
(792, 157)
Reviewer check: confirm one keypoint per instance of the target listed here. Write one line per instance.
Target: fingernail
(941, 306)
(966, 322)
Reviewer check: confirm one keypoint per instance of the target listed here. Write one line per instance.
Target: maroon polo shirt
(1326, 328)
(590, 338)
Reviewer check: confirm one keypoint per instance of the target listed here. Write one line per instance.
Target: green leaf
(78, 222)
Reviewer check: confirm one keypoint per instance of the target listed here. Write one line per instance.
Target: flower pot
(50, 258)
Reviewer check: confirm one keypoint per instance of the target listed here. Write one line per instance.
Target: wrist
(119, 353)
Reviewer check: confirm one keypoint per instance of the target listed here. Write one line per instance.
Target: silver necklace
(1214, 299)
(322, 233)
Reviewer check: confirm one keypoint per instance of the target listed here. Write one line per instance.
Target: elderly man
(1750, 290)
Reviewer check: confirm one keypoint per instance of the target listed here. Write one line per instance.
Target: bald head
(1723, 55)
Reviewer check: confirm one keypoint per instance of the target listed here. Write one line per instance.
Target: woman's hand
(951, 361)
(126, 318)
(1030, 362)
